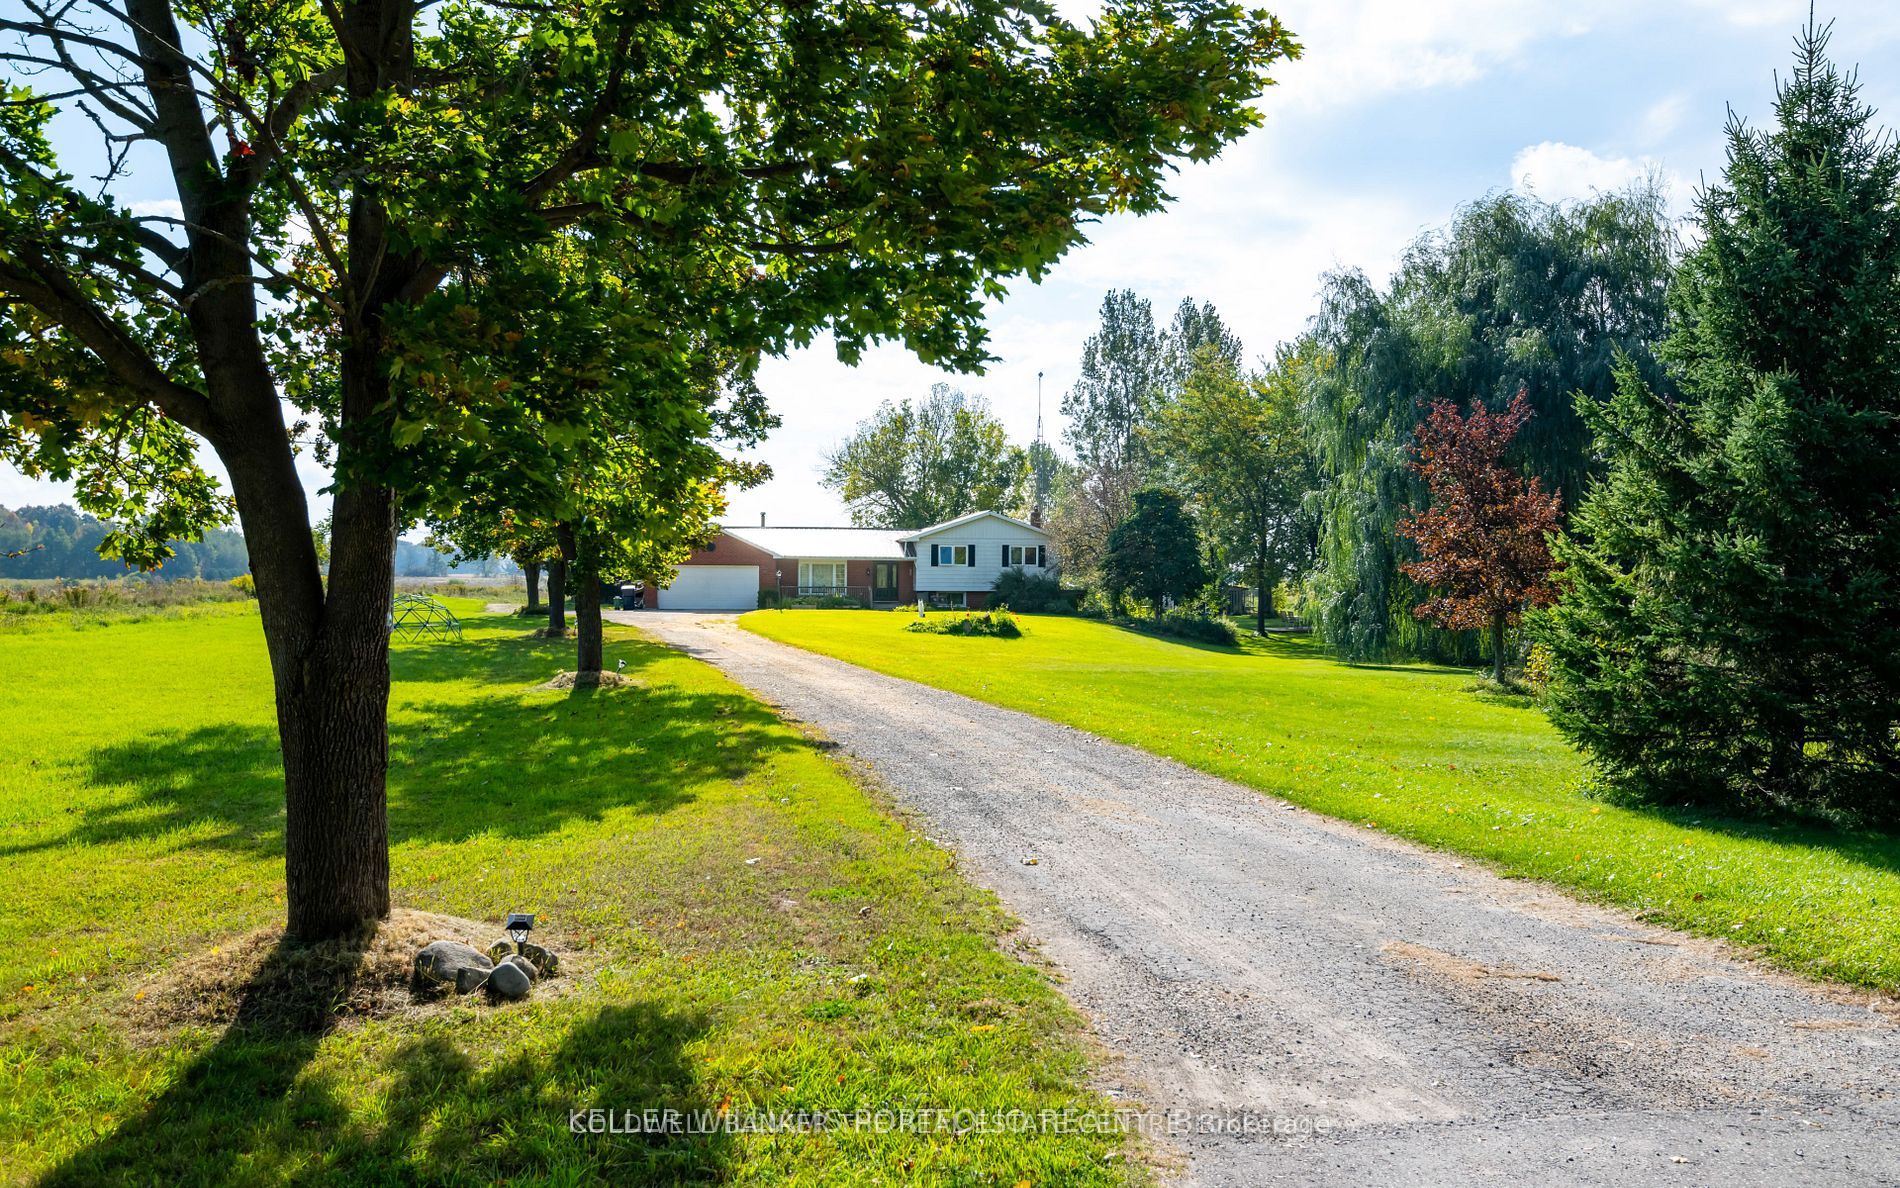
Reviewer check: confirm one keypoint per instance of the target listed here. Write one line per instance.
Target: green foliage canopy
(1516, 295)
(1235, 444)
(918, 463)
(1155, 553)
(1729, 627)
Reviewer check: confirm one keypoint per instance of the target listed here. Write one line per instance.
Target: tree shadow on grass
(531, 766)
(528, 762)
(227, 778)
(1199, 645)
(252, 1109)
(519, 655)
(1869, 847)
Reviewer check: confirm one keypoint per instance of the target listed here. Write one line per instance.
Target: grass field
(1408, 750)
(746, 929)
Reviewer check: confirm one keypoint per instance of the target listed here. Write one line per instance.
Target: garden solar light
(519, 925)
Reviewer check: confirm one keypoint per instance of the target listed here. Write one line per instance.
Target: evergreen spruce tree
(1729, 629)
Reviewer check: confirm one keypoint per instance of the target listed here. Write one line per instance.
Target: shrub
(998, 624)
(1097, 604)
(814, 602)
(1185, 622)
(245, 584)
(1033, 593)
(1537, 667)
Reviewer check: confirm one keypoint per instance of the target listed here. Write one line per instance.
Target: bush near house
(1034, 593)
(998, 624)
(770, 599)
(1186, 622)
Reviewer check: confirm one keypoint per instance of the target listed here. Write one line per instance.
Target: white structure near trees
(959, 560)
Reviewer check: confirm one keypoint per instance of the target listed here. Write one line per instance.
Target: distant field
(747, 929)
(1406, 749)
(94, 603)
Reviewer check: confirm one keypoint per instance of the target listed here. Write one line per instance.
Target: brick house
(954, 563)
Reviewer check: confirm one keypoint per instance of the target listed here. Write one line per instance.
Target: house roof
(842, 544)
(960, 521)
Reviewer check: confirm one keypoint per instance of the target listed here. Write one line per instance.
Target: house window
(952, 554)
(1023, 555)
(821, 577)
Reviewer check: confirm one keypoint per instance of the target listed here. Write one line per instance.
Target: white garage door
(712, 587)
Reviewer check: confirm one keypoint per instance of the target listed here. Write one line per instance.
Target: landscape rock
(500, 950)
(544, 960)
(522, 963)
(509, 980)
(453, 962)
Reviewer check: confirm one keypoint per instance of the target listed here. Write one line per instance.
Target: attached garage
(713, 588)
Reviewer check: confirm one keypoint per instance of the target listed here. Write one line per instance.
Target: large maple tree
(290, 189)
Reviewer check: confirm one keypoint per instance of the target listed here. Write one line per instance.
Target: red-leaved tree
(1483, 539)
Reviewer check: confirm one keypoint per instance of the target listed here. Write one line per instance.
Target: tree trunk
(334, 724)
(1263, 594)
(588, 650)
(1497, 648)
(329, 651)
(531, 570)
(329, 657)
(557, 598)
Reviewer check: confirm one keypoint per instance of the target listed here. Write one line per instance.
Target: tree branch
(582, 149)
(50, 291)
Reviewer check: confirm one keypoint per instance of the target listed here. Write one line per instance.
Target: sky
(1399, 112)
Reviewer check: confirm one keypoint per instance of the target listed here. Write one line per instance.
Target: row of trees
(60, 542)
(515, 263)
(1172, 408)
(1682, 469)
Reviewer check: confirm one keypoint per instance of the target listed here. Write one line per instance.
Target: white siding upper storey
(971, 552)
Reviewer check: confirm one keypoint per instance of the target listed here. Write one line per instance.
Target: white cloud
(1663, 118)
(166, 207)
(17, 490)
(1360, 49)
(1559, 172)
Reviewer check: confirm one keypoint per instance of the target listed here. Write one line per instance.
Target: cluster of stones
(507, 970)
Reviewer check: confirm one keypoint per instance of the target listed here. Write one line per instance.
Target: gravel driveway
(1255, 961)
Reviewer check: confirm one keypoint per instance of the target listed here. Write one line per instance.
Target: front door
(884, 581)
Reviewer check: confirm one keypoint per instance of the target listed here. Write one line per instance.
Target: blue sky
(1398, 113)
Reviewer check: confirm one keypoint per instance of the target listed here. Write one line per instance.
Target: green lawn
(1406, 749)
(747, 929)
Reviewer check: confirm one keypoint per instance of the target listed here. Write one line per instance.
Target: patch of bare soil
(592, 680)
(265, 980)
(1452, 966)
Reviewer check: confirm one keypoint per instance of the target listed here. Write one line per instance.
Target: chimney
(761, 519)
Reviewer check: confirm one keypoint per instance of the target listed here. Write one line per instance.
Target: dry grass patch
(263, 979)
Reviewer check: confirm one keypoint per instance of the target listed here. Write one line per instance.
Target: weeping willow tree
(1515, 295)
